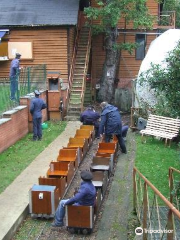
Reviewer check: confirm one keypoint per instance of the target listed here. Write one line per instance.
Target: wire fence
(159, 218)
(26, 81)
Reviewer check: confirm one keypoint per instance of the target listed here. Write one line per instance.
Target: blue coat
(14, 67)
(89, 116)
(110, 121)
(37, 104)
(85, 196)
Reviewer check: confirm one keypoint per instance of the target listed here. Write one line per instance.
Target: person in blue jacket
(14, 71)
(90, 117)
(111, 124)
(85, 196)
(36, 106)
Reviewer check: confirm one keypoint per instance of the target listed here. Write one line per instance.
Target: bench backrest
(107, 146)
(165, 124)
(79, 141)
(100, 161)
(67, 153)
(61, 166)
(98, 176)
(83, 132)
(90, 127)
(58, 182)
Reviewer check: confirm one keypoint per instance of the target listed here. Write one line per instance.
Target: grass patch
(153, 160)
(17, 157)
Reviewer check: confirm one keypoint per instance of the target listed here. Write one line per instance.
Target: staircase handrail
(70, 80)
(85, 68)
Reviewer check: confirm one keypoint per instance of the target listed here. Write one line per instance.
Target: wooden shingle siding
(129, 66)
(71, 41)
(151, 4)
(49, 47)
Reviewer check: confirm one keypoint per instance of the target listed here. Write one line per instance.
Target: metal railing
(158, 217)
(26, 81)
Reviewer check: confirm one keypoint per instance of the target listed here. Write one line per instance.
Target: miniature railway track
(40, 229)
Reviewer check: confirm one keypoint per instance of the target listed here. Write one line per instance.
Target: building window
(140, 50)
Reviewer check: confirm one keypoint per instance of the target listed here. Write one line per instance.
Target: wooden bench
(60, 183)
(68, 155)
(100, 179)
(79, 153)
(61, 169)
(91, 128)
(84, 133)
(163, 127)
(79, 218)
(100, 164)
(78, 143)
(109, 148)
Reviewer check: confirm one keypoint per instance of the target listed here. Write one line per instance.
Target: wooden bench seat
(106, 147)
(100, 180)
(163, 127)
(91, 128)
(84, 133)
(60, 183)
(101, 164)
(61, 169)
(79, 142)
(68, 155)
(79, 153)
(79, 217)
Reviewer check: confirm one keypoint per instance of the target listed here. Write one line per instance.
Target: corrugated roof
(38, 12)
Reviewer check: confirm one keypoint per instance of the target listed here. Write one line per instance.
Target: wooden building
(44, 32)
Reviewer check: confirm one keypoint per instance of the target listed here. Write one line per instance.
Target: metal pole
(29, 83)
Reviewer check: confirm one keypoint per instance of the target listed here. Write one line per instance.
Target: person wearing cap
(111, 124)
(13, 75)
(36, 106)
(90, 117)
(85, 196)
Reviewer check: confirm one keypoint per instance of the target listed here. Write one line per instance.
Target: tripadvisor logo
(138, 231)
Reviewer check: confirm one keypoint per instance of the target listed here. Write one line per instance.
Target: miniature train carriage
(43, 201)
(79, 218)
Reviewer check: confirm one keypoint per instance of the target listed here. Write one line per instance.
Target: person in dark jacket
(90, 117)
(85, 196)
(14, 71)
(36, 106)
(111, 124)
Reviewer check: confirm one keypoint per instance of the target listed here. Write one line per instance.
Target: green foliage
(153, 160)
(173, 5)
(165, 83)
(109, 13)
(17, 157)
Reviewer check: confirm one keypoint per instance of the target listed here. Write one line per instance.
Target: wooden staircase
(78, 84)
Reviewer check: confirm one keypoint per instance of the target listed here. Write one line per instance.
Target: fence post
(171, 184)
(18, 85)
(170, 227)
(29, 82)
(145, 210)
(134, 190)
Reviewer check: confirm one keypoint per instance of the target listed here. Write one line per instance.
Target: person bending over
(90, 117)
(111, 124)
